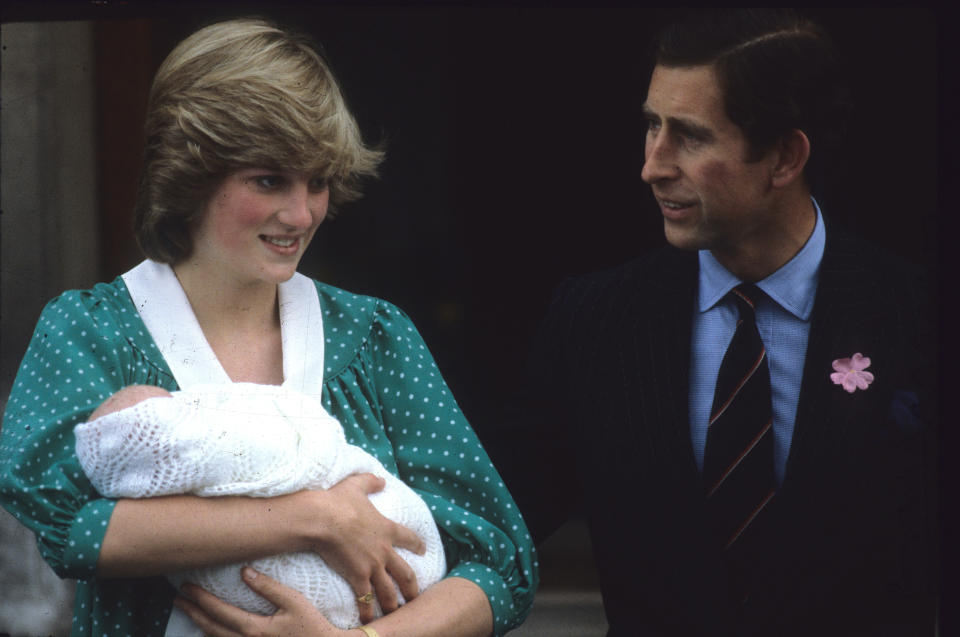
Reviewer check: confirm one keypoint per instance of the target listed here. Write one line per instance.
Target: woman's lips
(281, 245)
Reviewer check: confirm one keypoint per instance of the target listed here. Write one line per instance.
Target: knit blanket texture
(245, 439)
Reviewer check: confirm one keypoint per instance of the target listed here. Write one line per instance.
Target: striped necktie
(738, 458)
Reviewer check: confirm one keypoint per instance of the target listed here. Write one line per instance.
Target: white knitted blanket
(252, 440)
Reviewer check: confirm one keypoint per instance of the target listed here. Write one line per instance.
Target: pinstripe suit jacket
(847, 547)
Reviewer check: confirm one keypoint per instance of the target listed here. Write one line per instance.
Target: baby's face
(128, 397)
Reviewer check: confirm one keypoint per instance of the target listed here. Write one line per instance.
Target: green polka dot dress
(380, 382)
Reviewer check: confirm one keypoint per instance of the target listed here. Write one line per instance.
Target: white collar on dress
(166, 311)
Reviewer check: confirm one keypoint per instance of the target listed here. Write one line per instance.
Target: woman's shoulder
(103, 304)
(350, 309)
(351, 321)
(343, 308)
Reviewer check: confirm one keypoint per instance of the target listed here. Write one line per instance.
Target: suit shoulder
(622, 291)
(854, 259)
(646, 273)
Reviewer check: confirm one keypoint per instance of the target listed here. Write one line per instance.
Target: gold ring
(366, 599)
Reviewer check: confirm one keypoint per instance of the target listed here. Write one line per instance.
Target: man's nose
(659, 162)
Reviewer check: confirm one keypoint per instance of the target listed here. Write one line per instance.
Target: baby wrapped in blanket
(251, 440)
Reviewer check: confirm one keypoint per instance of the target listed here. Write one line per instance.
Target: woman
(249, 144)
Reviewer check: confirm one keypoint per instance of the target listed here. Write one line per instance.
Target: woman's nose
(297, 210)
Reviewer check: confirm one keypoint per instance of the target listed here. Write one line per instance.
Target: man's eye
(691, 141)
(318, 184)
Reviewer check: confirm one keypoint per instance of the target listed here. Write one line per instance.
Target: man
(820, 519)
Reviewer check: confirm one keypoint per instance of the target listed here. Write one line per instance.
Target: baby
(252, 440)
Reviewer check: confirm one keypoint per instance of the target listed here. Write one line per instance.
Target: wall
(49, 243)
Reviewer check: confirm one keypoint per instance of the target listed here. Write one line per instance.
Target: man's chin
(684, 238)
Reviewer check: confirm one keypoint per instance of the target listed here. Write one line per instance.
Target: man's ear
(793, 151)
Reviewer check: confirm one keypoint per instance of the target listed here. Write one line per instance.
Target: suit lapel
(677, 326)
(662, 310)
(665, 368)
(840, 326)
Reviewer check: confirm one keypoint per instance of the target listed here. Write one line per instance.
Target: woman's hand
(295, 615)
(453, 607)
(358, 543)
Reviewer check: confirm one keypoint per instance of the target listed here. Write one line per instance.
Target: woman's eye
(269, 182)
(318, 184)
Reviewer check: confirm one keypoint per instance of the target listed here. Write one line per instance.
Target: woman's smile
(258, 224)
(282, 245)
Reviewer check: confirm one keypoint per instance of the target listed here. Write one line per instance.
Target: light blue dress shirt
(783, 320)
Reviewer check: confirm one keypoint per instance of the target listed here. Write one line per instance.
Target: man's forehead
(685, 93)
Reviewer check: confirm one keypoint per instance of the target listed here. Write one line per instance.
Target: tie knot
(746, 295)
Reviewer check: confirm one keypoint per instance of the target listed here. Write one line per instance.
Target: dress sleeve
(438, 454)
(77, 357)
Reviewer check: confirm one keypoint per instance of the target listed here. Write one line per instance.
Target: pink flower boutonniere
(850, 372)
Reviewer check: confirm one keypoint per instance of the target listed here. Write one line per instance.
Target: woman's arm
(439, 455)
(454, 607)
(153, 536)
(169, 534)
(158, 535)
(153, 531)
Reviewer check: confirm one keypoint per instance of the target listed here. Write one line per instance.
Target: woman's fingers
(368, 482)
(401, 535)
(363, 546)
(382, 587)
(273, 591)
(386, 591)
(405, 577)
(407, 539)
(212, 615)
(366, 597)
(295, 615)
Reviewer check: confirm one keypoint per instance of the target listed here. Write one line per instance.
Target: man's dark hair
(777, 70)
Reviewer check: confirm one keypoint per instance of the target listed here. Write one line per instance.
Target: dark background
(514, 147)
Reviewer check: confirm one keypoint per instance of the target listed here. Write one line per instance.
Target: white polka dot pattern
(380, 382)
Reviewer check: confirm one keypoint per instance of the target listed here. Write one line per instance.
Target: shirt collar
(792, 286)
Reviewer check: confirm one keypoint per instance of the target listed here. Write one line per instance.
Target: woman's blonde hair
(239, 94)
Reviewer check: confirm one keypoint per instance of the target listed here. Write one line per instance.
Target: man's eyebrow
(684, 126)
(691, 129)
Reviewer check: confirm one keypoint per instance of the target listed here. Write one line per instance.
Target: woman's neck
(224, 305)
(240, 322)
